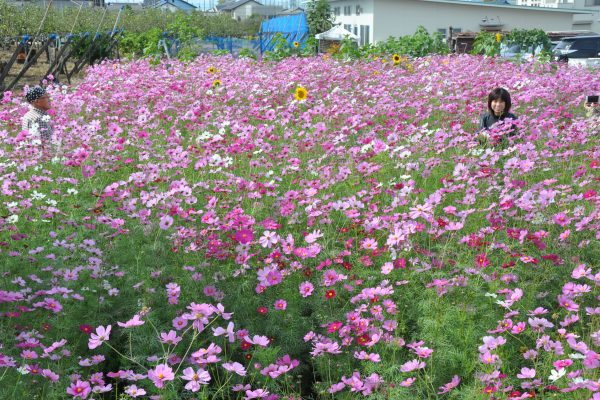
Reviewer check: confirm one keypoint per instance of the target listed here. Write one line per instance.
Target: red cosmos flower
(330, 294)
(245, 345)
(490, 389)
(595, 164)
(363, 339)
(87, 329)
(248, 356)
(347, 265)
(262, 310)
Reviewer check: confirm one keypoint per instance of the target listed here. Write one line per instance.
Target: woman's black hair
(502, 94)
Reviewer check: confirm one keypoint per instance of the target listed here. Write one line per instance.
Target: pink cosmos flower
(161, 374)
(200, 377)
(135, 321)
(280, 305)
(170, 338)
(450, 385)
(50, 375)
(235, 367)
(306, 289)
(412, 365)
(79, 389)
(96, 339)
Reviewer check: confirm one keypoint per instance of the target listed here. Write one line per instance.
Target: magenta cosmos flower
(244, 236)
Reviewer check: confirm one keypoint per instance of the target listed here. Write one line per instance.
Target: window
(442, 31)
(365, 33)
(586, 44)
(348, 27)
(356, 30)
(358, 10)
(456, 30)
(592, 3)
(337, 11)
(347, 10)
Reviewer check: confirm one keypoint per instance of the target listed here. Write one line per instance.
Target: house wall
(586, 22)
(246, 10)
(398, 18)
(354, 22)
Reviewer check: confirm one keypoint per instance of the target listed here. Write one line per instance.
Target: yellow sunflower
(211, 70)
(216, 83)
(301, 93)
(396, 59)
(296, 44)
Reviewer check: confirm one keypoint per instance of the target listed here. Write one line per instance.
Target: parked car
(515, 51)
(577, 47)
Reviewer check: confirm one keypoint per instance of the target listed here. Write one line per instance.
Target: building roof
(181, 4)
(292, 11)
(505, 4)
(232, 5)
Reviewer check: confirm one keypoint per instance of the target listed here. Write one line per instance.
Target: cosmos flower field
(308, 229)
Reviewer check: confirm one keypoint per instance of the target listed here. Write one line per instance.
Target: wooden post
(27, 65)
(10, 62)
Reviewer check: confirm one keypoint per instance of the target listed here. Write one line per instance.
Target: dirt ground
(35, 73)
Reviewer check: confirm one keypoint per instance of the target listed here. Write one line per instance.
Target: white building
(543, 3)
(586, 22)
(377, 20)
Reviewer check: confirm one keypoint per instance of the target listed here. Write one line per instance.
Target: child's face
(498, 106)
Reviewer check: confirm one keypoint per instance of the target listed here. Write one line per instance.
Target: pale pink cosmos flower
(229, 332)
(165, 222)
(258, 340)
(134, 391)
(268, 239)
(96, 339)
(256, 394)
(526, 373)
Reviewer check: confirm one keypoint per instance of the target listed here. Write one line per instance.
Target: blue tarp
(294, 28)
(232, 45)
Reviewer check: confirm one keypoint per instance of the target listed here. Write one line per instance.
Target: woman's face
(498, 106)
